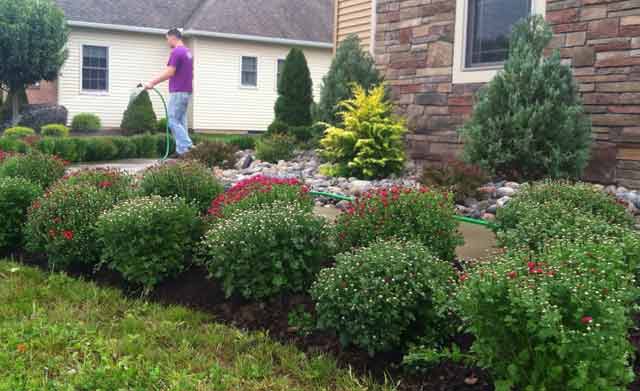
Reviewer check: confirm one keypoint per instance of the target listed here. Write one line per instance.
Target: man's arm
(167, 74)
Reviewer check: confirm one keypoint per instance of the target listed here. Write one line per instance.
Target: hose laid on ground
(139, 90)
(340, 197)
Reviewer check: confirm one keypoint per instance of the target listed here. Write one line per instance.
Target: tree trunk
(15, 109)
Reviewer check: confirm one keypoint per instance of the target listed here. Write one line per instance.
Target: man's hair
(175, 33)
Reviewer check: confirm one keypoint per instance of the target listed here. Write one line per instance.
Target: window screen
(95, 68)
(249, 71)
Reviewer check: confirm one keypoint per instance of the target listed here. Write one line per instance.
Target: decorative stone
(506, 191)
(502, 202)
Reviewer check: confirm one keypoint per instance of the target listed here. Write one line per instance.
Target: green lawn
(57, 333)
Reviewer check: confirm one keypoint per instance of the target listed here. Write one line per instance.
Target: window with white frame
(249, 71)
(489, 23)
(95, 68)
(481, 43)
(280, 67)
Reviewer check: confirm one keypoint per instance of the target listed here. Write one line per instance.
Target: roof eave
(202, 33)
(262, 39)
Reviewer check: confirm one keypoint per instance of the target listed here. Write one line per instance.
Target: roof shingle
(305, 20)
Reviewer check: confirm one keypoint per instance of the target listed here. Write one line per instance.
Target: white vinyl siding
(132, 58)
(220, 102)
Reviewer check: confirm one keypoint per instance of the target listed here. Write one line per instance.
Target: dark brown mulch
(192, 289)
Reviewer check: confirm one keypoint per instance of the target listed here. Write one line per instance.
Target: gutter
(201, 33)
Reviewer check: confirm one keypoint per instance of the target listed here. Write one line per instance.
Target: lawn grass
(57, 333)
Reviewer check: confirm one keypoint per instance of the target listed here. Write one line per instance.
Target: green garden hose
(462, 219)
(134, 95)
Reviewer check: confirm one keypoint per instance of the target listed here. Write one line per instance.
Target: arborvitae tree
(295, 91)
(351, 65)
(33, 36)
(529, 120)
(139, 116)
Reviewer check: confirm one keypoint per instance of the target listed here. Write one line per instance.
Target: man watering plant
(179, 72)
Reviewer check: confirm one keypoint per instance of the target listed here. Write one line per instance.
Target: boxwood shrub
(16, 196)
(19, 132)
(86, 123)
(264, 252)
(147, 239)
(62, 224)
(383, 296)
(39, 168)
(214, 154)
(275, 147)
(558, 321)
(54, 130)
(187, 179)
(418, 214)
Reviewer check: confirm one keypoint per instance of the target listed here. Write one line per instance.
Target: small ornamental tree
(529, 121)
(33, 36)
(295, 91)
(350, 65)
(139, 116)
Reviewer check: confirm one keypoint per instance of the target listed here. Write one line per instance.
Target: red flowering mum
(586, 320)
(68, 234)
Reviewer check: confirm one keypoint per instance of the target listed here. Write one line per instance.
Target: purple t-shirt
(181, 59)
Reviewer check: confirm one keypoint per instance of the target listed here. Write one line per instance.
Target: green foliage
(463, 180)
(147, 239)
(19, 132)
(187, 179)
(214, 154)
(423, 216)
(351, 65)
(243, 142)
(162, 125)
(62, 224)
(264, 252)
(100, 149)
(9, 144)
(16, 195)
(86, 123)
(371, 143)
(277, 127)
(529, 121)
(384, 296)
(117, 183)
(32, 42)
(559, 321)
(38, 168)
(139, 116)
(295, 91)
(275, 147)
(55, 130)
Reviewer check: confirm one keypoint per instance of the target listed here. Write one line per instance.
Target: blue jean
(178, 121)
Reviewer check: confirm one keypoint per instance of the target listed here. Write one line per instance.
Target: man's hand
(148, 86)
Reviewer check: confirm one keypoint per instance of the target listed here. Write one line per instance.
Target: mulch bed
(193, 290)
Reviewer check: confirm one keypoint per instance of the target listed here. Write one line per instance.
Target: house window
(489, 24)
(249, 71)
(279, 72)
(95, 68)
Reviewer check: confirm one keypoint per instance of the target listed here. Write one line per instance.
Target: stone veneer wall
(599, 38)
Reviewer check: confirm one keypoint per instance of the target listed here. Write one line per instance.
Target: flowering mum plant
(563, 196)
(418, 214)
(16, 195)
(147, 239)
(386, 295)
(62, 224)
(40, 169)
(187, 179)
(117, 183)
(258, 191)
(557, 321)
(259, 253)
